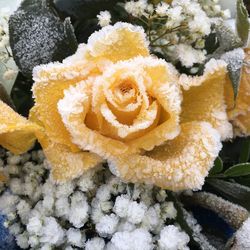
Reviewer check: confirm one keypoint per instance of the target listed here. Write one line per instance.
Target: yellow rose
(115, 100)
(239, 110)
(112, 100)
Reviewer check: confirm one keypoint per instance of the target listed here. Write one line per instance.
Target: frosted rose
(114, 101)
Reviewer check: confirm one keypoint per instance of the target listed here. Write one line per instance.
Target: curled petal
(203, 98)
(73, 109)
(182, 163)
(48, 92)
(66, 165)
(17, 134)
(121, 41)
(239, 110)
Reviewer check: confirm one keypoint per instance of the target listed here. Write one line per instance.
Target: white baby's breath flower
(104, 18)
(136, 8)
(171, 238)
(62, 207)
(79, 209)
(226, 14)
(52, 232)
(107, 225)
(136, 212)
(75, 237)
(95, 243)
(22, 240)
(23, 210)
(135, 240)
(188, 56)
(121, 206)
(34, 225)
(161, 9)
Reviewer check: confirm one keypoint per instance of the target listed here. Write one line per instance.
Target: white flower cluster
(95, 212)
(213, 9)
(178, 30)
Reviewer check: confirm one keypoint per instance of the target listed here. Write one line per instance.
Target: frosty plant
(113, 101)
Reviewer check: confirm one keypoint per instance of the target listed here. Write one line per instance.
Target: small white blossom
(135, 240)
(107, 225)
(75, 237)
(121, 206)
(22, 240)
(78, 214)
(34, 225)
(52, 232)
(104, 18)
(136, 212)
(171, 238)
(161, 9)
(95, 244)
(188, 56)
(136, 8)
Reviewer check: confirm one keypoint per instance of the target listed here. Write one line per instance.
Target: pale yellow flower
(239, 110)
(114, 101)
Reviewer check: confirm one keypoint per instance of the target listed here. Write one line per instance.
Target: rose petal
(66, 165)
(17, 134)
(239, 111)
(73, 109)
(121, 41)
(48, 92)
(182, 163)
(203, 98)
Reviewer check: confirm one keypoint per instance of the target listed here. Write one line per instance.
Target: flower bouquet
(124, 124)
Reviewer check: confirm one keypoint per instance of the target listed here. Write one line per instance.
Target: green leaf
(238, 170)
(39, 36)
(245, 151)
(234, 60)
(227, 38)
(233, 192)
(218, 166)
(242, 22)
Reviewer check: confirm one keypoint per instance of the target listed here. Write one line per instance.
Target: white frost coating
(212, 66)
(108, 35)
(136, 240)
(171, 238)
(234, 58)
(185, 171)
(242, 237)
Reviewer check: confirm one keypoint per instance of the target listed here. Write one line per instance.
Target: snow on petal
(121, 41)
(204, 100)
(181, 163)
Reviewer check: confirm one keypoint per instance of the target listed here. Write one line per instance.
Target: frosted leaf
(38, 36)
(234, 60)
(228, 40)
